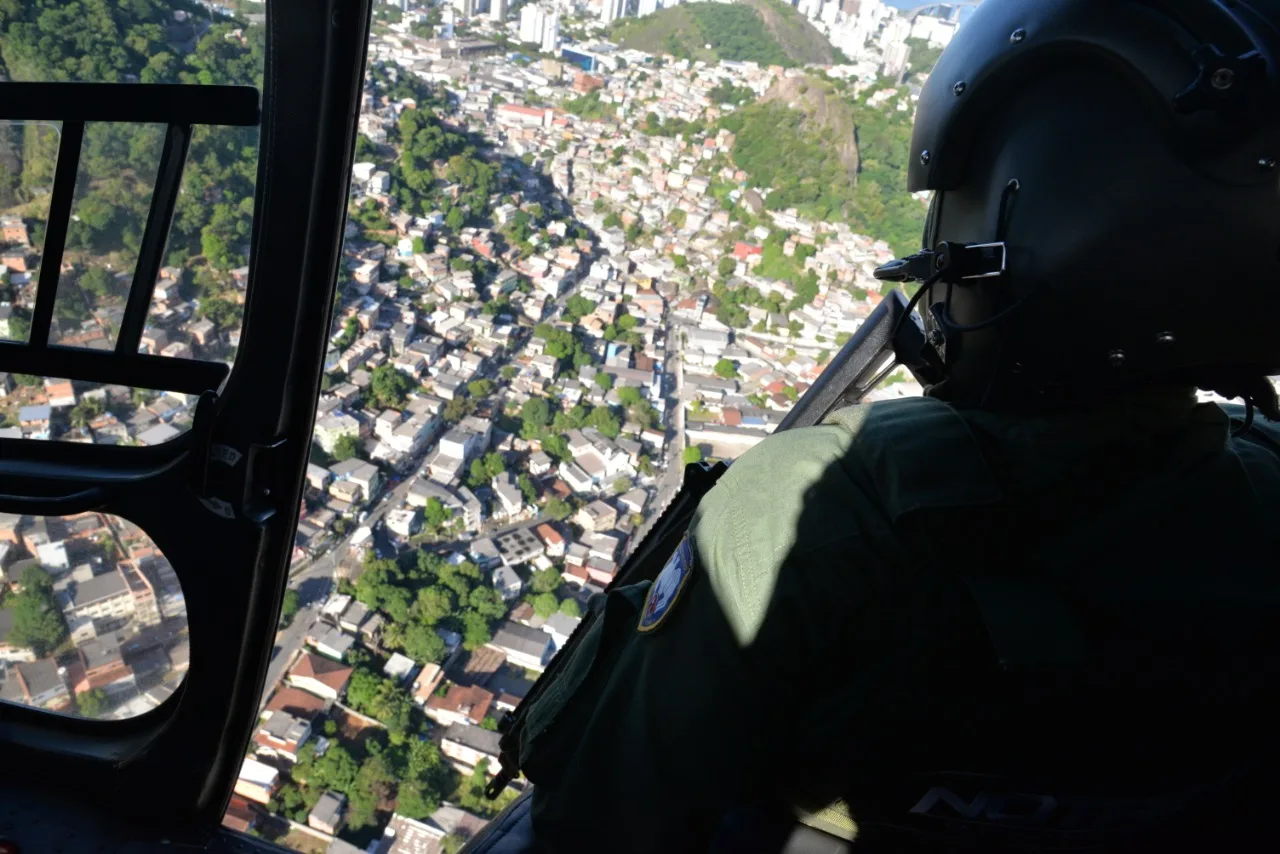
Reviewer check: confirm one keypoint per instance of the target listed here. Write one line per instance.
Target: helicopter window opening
(28, 152)
(114, 189)
(92, 618)
(201, 288)
(63, 410)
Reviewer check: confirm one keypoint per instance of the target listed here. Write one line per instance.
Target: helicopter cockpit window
(93, 622)
(154, 256)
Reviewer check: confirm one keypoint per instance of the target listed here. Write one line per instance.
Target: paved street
(314, 580)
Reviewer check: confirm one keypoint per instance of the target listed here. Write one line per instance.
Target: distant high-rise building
(646, 7)
(551, 33)
(895, 60)
(466, 8)
(895, 31)
(936, 31)
(448, 18)
(531, 17)
(850, 7)
(498, 10)
(612, 10)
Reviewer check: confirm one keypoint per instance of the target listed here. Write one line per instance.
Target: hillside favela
(588, 243)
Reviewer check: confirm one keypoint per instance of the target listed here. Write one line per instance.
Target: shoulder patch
(667, 587)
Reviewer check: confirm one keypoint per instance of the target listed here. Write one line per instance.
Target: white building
(612, 10)
(532, 19)
(936, 31)
(551, 33)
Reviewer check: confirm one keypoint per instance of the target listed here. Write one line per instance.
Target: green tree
(455, 219)
(422, 643)
(557, 509)
(545, 604)
(289, 608)
(436, 514)
(84, 412)
(527, 489)
(221, 312)
(475, 631)
(37, 620)
(480, 388)
(535, 413)
(605, 381)
(374, 783)
(557, 447)
(434, 604)
(621, 484)
(692, 454)
(97, 282)
(570, 608)
(544, 581)
(345, 447)
(389, 385)
(726, 265)
(725, 369)
(487, 602)
(578, 306)
(629, 395)
(92, 703)
(425, 782)
(494, 464)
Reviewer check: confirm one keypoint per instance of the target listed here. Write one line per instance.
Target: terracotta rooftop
(296, 702)
(331, 673)
(472, 701)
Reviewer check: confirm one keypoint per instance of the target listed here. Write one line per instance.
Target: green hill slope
(830, 156)
(763, 31)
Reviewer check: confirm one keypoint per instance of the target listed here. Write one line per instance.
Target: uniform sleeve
(718, 703)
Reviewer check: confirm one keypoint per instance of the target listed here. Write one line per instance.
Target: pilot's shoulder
(843, 447)
(1263, 435)
(885, 419)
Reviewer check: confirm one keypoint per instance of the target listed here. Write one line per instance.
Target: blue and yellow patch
(667, 587)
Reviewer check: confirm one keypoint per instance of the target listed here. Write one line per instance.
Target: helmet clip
(949, 261)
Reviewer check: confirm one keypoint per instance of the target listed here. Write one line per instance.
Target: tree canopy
(37, 619)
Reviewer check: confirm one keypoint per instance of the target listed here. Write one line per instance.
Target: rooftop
(284, 727)
(520, 638)
(330, 673)
(478, 739)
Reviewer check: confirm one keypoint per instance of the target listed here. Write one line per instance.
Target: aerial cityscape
(588, 243)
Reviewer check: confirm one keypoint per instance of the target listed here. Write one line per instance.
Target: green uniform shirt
(780, 647)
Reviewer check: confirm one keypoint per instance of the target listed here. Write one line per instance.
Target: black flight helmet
(1106, 209)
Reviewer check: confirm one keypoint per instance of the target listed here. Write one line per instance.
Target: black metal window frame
(181, 107)
(221, 502)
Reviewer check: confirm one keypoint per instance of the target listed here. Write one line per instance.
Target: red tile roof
(296, 702)
(323, 670)
(472, 701)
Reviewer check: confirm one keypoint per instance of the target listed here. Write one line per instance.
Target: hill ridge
(767, 32)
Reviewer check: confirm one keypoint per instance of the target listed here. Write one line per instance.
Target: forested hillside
(763, 31)
(800, 146)
(132, 41)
